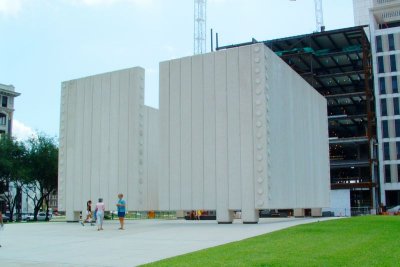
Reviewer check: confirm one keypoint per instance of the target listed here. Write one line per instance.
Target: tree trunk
(47, 207)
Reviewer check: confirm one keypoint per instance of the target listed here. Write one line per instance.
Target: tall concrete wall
(106, 140)
(240, 130)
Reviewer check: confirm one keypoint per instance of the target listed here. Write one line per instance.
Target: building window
(381, 68)
(396, 108)
(386, 153)
(393, 66)
(385, 129)
(398, 150)
(383, 107)
(382, 86)
(378, 44)
(387, 173)
(4, 101)
(391, 42)
(3, 119)
(397, 127)
(398, 173)
(395, 87)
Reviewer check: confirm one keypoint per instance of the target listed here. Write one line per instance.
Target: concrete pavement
(70, 244)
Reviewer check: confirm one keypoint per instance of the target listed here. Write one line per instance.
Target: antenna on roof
(200, 16)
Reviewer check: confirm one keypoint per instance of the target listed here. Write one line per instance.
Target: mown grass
(358, 241)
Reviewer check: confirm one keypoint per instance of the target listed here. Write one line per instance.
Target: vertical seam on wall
(253, 178)
(191, 125)
(169, 136)
(203, 119)
(91, 144)
(240, 127)
(215, 136)
(191, 132)
(101, 134)
(227, 126)
(128, 146)
(83, 123)
(127, 134)
(118, 129)
(109, 137)
(180, 134)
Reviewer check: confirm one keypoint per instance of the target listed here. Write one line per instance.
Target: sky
(45, 42)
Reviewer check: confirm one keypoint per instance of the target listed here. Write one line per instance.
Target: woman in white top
(100, 208)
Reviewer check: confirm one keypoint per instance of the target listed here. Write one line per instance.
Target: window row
(391, 128)
(392, 171)
(391, 151)
(390, 106)
(3, 119)
(4, 101)
(387, 64)
(387, 43)
(388, 85)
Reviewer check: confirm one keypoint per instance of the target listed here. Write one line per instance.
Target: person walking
(89, 212)
(121, 207)
(100, 208)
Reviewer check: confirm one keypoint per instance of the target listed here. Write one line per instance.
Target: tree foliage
(30, 167)
(42, 170)
(13, 171)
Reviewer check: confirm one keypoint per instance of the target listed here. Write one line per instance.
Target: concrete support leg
(180, 214)
(224, 216)
(250, 216)
(299, 213)
(316, 212)
(72, 216)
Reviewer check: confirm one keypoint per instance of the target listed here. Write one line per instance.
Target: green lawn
(358, 241)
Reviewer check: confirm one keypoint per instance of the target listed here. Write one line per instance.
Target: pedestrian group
(99, 213)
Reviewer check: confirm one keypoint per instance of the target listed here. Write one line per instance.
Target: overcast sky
(45, 42)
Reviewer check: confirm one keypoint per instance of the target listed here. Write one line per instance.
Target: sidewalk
(70, 244)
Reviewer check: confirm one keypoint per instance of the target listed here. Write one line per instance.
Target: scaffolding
(338, 65)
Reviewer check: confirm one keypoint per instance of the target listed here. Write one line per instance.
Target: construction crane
(200, 17)
(319, 15)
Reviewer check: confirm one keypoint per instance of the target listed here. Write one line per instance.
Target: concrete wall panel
(123, 132)
(233, 105)
(114, 121)
(105, 138)
(246, 135)
(78, 152)
(186, 134)
(268, 133)
(221, 139)
(209, 132)
(175, 134)
(164, 178)
(152, 146)
(104, 149)
(96, 139)
(62, 167)
(197, 133)
(86, 138)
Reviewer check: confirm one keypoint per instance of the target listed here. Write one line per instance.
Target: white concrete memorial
(107, 136)
(237, 129)
(240, 130)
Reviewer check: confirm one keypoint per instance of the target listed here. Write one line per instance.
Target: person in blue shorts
(121, 205)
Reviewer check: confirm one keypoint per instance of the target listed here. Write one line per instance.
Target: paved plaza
(70, 244)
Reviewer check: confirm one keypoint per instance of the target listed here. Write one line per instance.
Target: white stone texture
(340, 203)
(107, 136)
(361, 11)
(240, 130)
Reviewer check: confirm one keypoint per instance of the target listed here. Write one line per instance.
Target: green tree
(43, 171)
(13, 156)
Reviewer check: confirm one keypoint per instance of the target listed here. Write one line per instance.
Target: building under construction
(337, 64)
